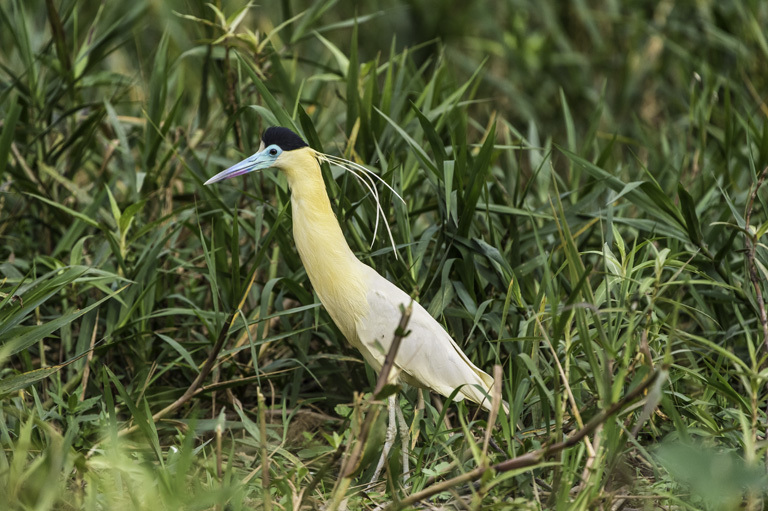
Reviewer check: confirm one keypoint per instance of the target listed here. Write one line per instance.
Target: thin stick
(389, 361)
(495, 402)
(219, 458)
(751, 248)
(264, 454)
(87, 368)
(350, 465)
(568, 391)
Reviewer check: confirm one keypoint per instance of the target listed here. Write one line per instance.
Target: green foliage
(582, 186)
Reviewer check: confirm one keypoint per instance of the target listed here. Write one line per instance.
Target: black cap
(284, 138)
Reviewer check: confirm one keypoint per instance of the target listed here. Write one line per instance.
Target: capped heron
(363, 304)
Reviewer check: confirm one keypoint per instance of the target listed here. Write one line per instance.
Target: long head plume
(367, 178)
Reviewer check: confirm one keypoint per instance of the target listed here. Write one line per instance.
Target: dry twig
(207, 366)
(751, 249)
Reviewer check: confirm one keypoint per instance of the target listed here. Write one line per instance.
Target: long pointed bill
(258, 161)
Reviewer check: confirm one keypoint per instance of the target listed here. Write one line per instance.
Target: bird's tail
(482, 397)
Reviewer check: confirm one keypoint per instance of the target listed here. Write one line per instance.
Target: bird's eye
(273, 151)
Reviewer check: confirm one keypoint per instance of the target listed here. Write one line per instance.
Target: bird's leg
(389, 440)
(404, 440)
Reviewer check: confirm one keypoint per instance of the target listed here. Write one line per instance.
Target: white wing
(427, 357)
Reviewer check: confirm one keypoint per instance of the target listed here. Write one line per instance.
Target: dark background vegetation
(583, 208)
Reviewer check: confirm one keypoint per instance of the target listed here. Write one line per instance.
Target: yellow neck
(335, 272)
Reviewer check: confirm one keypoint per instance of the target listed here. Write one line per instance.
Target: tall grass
(584, 208)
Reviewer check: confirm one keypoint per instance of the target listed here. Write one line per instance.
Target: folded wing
(428, 357)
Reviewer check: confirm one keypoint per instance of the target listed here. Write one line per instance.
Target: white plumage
(428, 357)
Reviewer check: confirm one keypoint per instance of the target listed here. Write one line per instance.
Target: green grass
(584, 209)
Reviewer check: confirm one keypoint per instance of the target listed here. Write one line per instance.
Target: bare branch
(351, 463)
(751, 249)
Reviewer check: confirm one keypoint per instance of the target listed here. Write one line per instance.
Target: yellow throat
(336, 274)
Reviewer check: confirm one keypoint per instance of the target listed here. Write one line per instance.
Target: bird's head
(278, 145)
(283, 149)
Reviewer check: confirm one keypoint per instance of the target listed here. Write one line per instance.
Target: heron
(365, 306)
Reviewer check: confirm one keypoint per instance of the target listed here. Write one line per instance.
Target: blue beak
(258, 161)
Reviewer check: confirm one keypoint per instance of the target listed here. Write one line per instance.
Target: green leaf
(180, 349)
(20, 381)
(22, 337)
(9, 128)
(480, 170)
(351, 74)
(90, 221)
(280, 113)
(689, 213)
(113, 205)
(423, 156)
